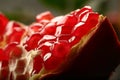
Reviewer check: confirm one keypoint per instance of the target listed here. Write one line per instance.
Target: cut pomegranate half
(80, 44)
(94, 57)
(93, 50)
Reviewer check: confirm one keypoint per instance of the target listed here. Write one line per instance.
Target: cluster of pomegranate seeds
(47, 41)
(54, 36)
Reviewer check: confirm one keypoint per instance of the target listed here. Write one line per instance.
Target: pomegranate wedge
(79, 45)
(94, 49)
(94, 57)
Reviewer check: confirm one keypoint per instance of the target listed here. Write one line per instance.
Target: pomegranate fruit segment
(59, 36)
(46, 45)
(95, 59)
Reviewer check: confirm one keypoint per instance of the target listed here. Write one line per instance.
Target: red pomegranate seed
(57, 19)
(8, 49)
(58, 53)
(36, 27)
(49, 29)
(78, 12)
(44, 16)
(14, 30)
(32, 41)
(51, 62)
(45, 46)
(83, 28)
(68, 21)
(61, 49)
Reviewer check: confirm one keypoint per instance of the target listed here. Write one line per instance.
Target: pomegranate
(80, 44)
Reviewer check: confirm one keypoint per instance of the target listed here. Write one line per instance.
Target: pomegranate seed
(57, 19)
(81, 11)
(9, 48)
(45, 38)
(68, 20)
(44, 16)
(51, 62)
(36, 27)
(58, 53)
(14, 30)
(49, 29)
(61, 49)
(32, 41)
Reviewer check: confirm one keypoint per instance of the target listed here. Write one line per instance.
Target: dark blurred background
(26, 10)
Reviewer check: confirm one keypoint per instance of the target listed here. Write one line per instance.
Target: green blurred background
(26, 10)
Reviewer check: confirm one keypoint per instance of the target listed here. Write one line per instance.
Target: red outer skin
(96, 60)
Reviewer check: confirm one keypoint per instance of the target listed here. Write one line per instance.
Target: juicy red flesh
(14, 32)
(44, 16)
(10, 47)
(36, 27)
(58, 36)
(53, 38)
(32, 41)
